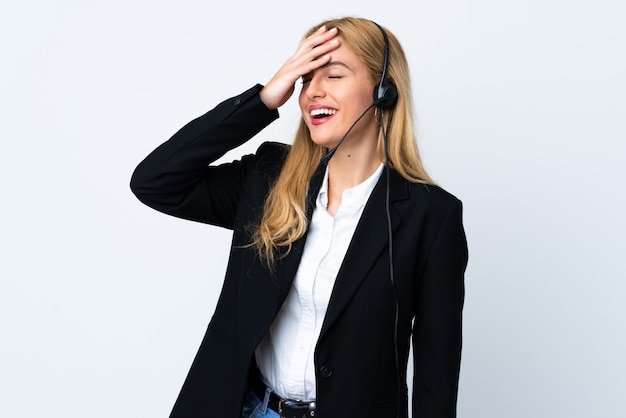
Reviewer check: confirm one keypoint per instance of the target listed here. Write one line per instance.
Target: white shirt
(285, 356)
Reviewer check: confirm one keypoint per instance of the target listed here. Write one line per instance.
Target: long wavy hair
(284, 218)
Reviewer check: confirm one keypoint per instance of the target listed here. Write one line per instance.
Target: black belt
(286, 408)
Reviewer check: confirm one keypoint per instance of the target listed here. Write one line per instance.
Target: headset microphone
(326, 158)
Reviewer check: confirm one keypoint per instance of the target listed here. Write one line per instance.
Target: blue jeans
(255, 408)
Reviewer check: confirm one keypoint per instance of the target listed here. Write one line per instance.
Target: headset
(385, 97)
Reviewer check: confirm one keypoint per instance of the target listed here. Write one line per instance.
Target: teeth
(323, 112)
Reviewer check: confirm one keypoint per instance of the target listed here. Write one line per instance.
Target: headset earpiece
(385, 93)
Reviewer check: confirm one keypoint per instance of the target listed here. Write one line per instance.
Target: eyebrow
(335, 63)
(328, 64)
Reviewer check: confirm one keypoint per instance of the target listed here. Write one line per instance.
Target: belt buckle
(295, 409)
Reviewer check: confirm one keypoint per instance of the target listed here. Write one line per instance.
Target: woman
(317, 309)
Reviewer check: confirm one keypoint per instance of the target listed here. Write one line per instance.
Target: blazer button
(237, 101)
(326, 371)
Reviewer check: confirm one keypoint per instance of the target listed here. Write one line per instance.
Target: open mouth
(322, 113)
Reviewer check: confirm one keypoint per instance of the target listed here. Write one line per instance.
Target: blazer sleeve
(177, 178)
(438, 320)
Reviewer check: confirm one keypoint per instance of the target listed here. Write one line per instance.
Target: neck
(356, 158)
(350, 171)
(349, 167)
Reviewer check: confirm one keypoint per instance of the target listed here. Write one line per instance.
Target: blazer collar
(369, 241)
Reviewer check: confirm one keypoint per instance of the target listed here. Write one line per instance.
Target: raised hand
(312, 53)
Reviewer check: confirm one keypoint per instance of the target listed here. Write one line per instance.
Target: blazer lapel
(369, 240)
(265, 291)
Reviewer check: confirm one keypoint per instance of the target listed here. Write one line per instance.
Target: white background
(521, 114)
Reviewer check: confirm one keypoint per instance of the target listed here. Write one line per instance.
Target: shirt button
(326, 371)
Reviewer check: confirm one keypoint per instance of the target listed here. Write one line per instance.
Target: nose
(315, 87)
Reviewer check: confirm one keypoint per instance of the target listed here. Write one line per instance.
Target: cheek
(301, 99)
(361, 95)
(368, 94)
(302, 103)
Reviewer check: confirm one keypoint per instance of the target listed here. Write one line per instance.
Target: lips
(320, 114)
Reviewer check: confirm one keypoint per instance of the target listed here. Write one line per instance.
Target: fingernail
(321, 28)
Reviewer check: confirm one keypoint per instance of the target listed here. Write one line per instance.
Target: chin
(324, 141)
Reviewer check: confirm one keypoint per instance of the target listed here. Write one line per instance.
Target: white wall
(521, 112)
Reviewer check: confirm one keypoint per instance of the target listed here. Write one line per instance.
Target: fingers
(312, 53)
(318, 38)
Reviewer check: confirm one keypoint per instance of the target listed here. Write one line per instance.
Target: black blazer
(355, 355)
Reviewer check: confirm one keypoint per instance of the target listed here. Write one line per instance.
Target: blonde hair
(284, 218)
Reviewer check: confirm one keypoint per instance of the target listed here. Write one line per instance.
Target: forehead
(344, 57)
